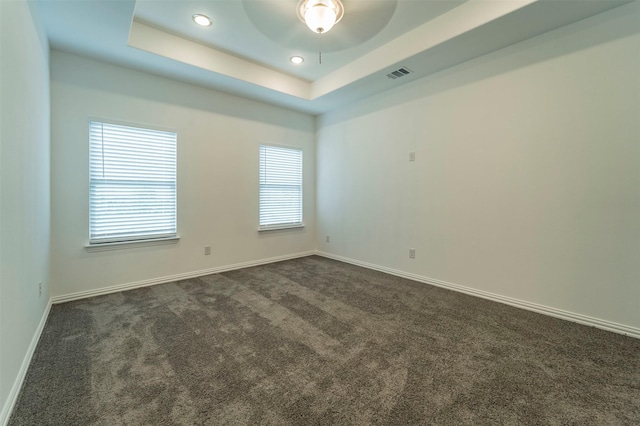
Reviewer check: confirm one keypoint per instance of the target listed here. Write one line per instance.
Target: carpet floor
(313, 341)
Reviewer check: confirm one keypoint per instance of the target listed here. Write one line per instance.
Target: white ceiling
(247, 49)
(269, 32)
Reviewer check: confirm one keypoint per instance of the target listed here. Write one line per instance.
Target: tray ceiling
(247, 48)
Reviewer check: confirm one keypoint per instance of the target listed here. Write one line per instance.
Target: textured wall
(218, 139)
(527, 175)
(24, 188)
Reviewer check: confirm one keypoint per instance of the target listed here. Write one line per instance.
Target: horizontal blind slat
(132, 190)
(280, 186)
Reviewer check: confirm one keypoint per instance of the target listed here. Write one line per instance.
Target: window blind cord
(102, 146)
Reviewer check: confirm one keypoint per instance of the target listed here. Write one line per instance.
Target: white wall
(218, 138)
(24, 191)
(526, 182)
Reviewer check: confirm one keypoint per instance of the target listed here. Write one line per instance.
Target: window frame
(130, 240)
(282, 226)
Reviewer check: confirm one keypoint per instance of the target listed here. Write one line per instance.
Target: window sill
(280, 227)
(130, 244)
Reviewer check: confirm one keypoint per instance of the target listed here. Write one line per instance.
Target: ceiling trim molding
(153, 40)
(474, 28)
(462, 19)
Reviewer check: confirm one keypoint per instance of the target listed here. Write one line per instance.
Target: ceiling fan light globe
(320, 18)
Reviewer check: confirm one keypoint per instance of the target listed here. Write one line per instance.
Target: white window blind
(280, 187)
(132, 193)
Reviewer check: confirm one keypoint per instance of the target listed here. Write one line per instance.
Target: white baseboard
(22, 373)
(171, 278)
(542, 309)
(554, 312)
(546, 310)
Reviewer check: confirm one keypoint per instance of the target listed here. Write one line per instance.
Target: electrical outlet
(412, 156)
(412, 253)
(40, 289)
(207, 250)
(328, 239)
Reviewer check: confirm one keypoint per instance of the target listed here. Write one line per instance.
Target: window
(132, 188)
(280, 187)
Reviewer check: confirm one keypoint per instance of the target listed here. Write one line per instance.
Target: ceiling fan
(320, 16)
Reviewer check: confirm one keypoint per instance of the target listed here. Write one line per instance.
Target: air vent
(401, 72)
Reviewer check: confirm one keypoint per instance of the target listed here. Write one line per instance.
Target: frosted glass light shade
(320, 18)
(320, 15)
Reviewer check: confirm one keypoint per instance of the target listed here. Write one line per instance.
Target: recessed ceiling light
(202, 20)
(297, 59)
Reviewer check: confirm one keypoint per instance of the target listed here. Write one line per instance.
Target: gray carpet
(319, 342)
